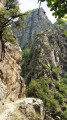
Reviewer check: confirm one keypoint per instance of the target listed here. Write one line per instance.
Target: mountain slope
(48, 48)
(44, 67)
(35, 23)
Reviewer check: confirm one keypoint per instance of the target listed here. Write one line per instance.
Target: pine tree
(9, 15)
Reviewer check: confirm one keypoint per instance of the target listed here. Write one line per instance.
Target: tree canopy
(59, 8)
(9, 15)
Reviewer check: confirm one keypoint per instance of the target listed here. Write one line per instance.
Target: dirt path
(9, 108)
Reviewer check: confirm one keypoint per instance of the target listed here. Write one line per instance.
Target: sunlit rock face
(23, 109)
(35, 23)
(12, 84)
(2, 3)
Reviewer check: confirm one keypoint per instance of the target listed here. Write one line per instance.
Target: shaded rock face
(35, 23)
(12, 84)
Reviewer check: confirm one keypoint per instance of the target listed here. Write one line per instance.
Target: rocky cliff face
(48, 48)
(13, 103)
(47, 62)
(35, 23)
(2, 3)
(11, 83)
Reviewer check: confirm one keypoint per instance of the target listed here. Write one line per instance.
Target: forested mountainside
(49, 47)
(45, 70)
(35, 23)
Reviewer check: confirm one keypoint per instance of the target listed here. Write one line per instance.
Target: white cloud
(26, 5)
(49, 14)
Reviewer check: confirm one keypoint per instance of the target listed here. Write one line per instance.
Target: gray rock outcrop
(34, 24)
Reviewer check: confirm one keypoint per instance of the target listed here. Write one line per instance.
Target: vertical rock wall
(12, 84)
(2, 3)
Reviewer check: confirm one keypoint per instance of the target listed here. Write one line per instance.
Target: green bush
(59, 97)
(8, 36)
(63, 88)
(64, 81)
(25, 54)
(40, 89)
(64, 115)
(46, 67)
(55, 73)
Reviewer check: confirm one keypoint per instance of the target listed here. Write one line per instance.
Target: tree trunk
(2, 47)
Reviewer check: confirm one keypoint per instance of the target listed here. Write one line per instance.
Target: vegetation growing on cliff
(39, 89)
(44, 80)
(25, 54)
(58, 7)
(54, 103)
(47, 85)
(9, 15)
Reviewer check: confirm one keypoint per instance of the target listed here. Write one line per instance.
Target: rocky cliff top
(35, 23)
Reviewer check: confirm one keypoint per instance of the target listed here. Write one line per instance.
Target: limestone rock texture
(13, 103)
(2, 3)
(12, 84)
(23, 109)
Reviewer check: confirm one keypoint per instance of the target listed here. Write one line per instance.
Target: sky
(26, 5)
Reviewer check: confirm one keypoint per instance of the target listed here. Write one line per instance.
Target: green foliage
(65, 33)
(40, 89)
(25, 54)
(55, 73)
(8, 36)
(66, 75)
(46, 66)
(8, 17)
(61, 21)
(62, 86)
(59, 97)
(59, 7)
(64, 115)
